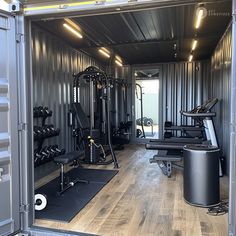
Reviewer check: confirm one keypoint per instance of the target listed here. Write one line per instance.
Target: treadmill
(171, 152)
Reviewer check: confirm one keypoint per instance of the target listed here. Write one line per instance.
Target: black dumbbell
(37, 131)
(46, 112)
(38, 111)
(54, 131)
(49, 130)
(37, 158)
(53, 150)
(42, 112)
(46, 155)
(50, 151)
(39, 155)
(58, 151)
(35, 111)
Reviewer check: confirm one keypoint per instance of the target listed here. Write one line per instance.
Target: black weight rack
(44, 154)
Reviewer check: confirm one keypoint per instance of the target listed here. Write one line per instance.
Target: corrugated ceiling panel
(129, 34)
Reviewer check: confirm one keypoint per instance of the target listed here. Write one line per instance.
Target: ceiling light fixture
(73, 24)
(118, 63)
(194, 45)
(175, 46)
(73, 30)
(105, 52)
(190, 57)
(118, 60)
(199, 18)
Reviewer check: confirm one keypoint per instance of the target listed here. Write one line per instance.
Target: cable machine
(90, 132)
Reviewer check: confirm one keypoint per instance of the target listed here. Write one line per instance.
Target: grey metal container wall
(9, 129)
(221, 88)
(201, 175)
(54, 63)
(118, 104)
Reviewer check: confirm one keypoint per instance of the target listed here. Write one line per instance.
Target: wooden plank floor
(139, 200)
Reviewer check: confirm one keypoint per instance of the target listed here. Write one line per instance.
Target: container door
(9, 163)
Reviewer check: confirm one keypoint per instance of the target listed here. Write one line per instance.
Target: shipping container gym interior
(130, 120)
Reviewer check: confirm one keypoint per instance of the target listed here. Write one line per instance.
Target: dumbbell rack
(44, 154)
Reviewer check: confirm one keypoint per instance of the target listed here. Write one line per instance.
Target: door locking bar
(1, 171)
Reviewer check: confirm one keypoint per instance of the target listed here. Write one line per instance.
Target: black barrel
(201, 175)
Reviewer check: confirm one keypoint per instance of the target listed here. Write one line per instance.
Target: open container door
(9, 154)
(38, 9)
(232, 190)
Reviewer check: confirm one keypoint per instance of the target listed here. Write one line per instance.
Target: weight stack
(92, 153)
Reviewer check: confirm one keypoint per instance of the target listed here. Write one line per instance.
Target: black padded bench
(165, 162)
(64, 160)
(165, 146)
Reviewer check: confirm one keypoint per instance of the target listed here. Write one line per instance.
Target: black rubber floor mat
(65, 207)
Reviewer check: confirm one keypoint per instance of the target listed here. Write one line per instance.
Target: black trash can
(201, 175)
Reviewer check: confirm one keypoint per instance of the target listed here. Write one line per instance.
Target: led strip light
(64, 6)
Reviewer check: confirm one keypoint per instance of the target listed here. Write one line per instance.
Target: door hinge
(23, 234)
(100, 2)
(24, 208)
(19, 37)
(22, 127)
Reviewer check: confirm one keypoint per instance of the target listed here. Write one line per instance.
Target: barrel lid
(200, 147)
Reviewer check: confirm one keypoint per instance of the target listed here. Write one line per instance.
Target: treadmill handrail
(204, 108)
(207, 114)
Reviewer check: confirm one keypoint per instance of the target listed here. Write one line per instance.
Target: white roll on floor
(40, 202)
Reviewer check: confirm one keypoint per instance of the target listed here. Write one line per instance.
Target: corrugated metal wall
(120, 95)
(184, 86)
(54, 62)
(221, 88)
(232, 159)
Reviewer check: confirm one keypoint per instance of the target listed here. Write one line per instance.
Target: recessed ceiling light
(194, 45)
(199, 18)
(73, 24)
(118, 58)
(190, 57)
(67, 26)
(118, 63)
(104, 52)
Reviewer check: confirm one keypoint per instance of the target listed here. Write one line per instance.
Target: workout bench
(166, 161)
(62, 161)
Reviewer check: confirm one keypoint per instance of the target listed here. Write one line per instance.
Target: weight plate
(40, 202)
